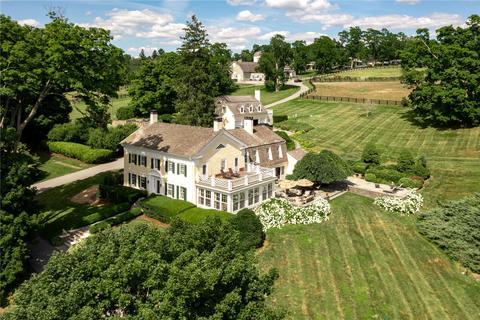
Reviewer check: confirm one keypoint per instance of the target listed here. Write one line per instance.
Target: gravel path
(79, 175)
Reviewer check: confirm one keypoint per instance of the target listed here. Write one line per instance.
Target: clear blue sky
(241, 23)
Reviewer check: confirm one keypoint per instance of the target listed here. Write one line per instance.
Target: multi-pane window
(236, 163)
(216, 202)
(224, 202)
(143, 161)
(171, 190)
(256, 194)
(133, 179)
(235, 202)
(204, 169)
(264, 193)
(250, 197)
(201, 196)
(183, 193)
(143, 182)
(208, 198)
(241, 202)
(223, 164)
(183, 170)
(270, 190)
(171, 166)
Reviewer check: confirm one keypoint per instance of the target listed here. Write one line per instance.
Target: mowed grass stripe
(431, 303)
(403, 274)
(396, 287)
(435, 285)
(342, 273)
(435, 269)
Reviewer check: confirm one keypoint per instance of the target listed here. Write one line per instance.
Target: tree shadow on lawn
(416, 120)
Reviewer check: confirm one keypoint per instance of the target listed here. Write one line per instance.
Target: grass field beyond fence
(365, 263)
(265, 96)
(392, 90)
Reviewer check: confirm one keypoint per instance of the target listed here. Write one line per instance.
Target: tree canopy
(61, 57)
(276, 56)
(138, 271)
(445, 75)
(324, 168)
(204, 73)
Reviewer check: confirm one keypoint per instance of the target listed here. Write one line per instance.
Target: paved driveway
(79, 175)
(303, 88)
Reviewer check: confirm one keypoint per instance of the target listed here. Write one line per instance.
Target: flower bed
(410, 204)
(277, 212)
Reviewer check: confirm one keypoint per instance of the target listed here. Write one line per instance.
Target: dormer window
(259, 109)
(280, 154)
(224, 109)
(250, 109)
(242, 109)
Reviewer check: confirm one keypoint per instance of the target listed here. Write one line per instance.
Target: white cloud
(29, 22)
(300, 4)
(327, 20)
(136, 51)
(269, 35)
(396, 21)
(247, 15)
(233, 37)
(140, 23)
(411, 2)
(241, 2)
(308, 36)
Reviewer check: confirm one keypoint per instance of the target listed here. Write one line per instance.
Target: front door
(155, 184)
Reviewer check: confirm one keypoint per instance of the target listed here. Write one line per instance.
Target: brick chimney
(153, 116)
(248, 124)
(217, 124)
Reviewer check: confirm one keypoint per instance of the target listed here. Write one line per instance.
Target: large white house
(231, 166)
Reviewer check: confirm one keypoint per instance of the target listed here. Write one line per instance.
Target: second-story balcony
(234, 180)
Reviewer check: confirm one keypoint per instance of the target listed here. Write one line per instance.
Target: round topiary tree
(371, 154)
(250, 229)
(324, 168)
(405, 162)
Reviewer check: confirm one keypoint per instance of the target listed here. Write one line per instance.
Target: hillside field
(394, 72)
(365, 263)
(389, 90)
(345, 128)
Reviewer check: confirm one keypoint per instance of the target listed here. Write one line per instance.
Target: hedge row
(289, 142)
(81, 152)
(119, 194)
(119, 218)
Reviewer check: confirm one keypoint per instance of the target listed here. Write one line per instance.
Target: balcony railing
(251, 175)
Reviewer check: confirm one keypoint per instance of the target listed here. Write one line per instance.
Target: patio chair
(224, 174)
(230, 171)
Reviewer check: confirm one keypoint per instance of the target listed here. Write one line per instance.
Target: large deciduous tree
(274, 59)
(62, 57)
(138, 271)
(324, 168)
(353, 42)
(155, 85)
(445, 75)
(203, 74)
(299, 56)
(327, 53)
(19, 169)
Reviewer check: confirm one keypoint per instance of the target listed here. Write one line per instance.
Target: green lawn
(54, 165)
(453, 155)
(265, 96)
(114, 105)
(59, 212)
(365, 263)
(372, 72)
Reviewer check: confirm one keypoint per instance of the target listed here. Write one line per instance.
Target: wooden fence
(354, 100)
(354, 79)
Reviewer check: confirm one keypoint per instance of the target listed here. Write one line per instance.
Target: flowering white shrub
(409, 205)
(276, 212)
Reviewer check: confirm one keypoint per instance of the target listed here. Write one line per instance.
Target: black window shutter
(178, 168)
(185, 172)
(178, 194)
(129, 158)
(166, 165)
(151, 163)
(173, 167)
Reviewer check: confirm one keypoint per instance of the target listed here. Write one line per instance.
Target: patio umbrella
(304, 183)
(287, 184)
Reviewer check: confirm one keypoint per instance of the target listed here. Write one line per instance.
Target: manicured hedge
(360, 167)
(81, 152)
(279, 118)
(410, 183)
(290, 143)
(387, 175)
(119, 194)
(119, 218)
